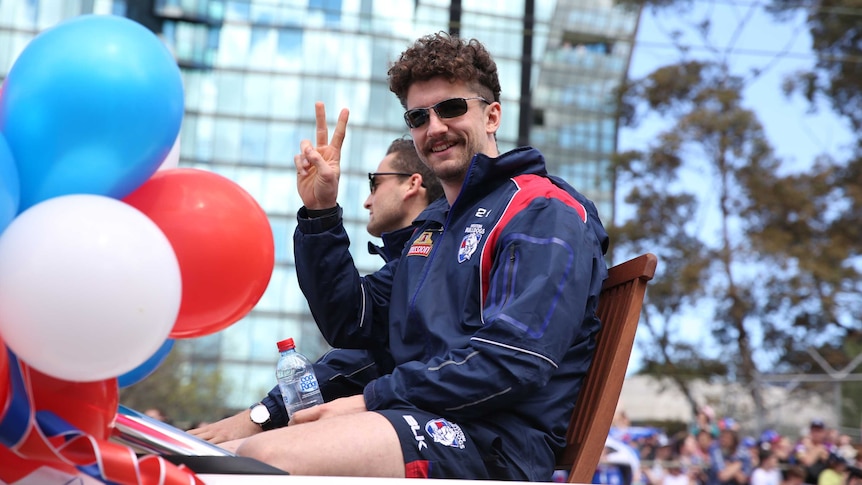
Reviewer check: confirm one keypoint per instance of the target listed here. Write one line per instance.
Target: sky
(785, 47)
(797, 136)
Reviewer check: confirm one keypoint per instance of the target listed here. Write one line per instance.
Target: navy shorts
(435, 447)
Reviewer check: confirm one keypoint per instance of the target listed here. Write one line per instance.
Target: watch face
(259, 414)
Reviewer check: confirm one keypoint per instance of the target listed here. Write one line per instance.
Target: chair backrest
(619, 310)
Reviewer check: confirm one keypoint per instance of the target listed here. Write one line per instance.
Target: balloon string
(44, 436)
(14, 422)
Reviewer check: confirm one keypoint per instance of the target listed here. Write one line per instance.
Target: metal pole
(525, 120)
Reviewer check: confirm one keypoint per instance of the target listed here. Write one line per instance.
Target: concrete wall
(647, 398)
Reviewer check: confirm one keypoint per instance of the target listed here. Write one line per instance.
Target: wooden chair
(619, 310)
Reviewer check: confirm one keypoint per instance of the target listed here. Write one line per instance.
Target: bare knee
(262, 449)
(309, 448)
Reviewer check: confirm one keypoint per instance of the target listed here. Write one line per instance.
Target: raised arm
(318, 167)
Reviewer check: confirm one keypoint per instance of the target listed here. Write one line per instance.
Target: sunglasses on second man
(372, 183)
(449, 108)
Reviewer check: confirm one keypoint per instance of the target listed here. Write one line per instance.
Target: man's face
(704, 440)
(817, 434)
(155, 414)
(447, 145)
(385, 203)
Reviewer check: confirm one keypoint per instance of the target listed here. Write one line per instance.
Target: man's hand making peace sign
(318, 167)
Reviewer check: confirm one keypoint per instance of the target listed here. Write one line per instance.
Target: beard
(454, 168)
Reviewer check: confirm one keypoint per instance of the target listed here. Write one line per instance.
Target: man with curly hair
(486, 323)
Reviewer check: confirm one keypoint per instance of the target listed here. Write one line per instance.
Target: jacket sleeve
(339, 373)
(350, 310)
(344, 372)
(538, 324)
(275, 404)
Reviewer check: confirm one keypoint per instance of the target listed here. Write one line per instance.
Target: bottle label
(308, 383)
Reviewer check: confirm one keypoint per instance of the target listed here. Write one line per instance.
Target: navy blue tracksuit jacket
(487, 318)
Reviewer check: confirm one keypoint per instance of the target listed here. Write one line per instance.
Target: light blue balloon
(10, 191)
(92, 105)
(149, 366)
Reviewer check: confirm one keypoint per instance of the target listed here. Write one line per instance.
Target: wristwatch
(260, 416)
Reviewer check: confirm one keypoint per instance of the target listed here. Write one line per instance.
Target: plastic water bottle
(296, 379)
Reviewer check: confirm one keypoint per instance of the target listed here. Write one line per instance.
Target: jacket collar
(393, 243)
(484, 175)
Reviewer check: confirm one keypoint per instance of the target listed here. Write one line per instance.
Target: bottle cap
(286, 344)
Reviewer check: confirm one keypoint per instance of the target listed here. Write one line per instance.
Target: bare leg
(363, 444)
(232, 445)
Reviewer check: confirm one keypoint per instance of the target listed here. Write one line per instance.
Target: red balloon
(5, 389)
(88, 406)
(15, 468)
(223, 242)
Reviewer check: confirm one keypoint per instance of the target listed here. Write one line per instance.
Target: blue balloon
(92, 105)
(10, 192)
(149, 366)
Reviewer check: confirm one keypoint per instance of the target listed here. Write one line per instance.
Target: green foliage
(775, 269)
(636, 4)
(851, 405)
(837, 42)
(185, 394)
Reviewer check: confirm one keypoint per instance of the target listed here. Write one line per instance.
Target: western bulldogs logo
(445, 433)
(470, 242)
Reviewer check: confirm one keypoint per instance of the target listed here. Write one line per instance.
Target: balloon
(149, 366)
(89, 288)
(222, 240)
(5, 389)
(172, 160)
(89, 406)
(16, 468)
(92, 105)
(10, 192)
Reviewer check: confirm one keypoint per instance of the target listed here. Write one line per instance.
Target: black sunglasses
(450, 108)
(373, 185)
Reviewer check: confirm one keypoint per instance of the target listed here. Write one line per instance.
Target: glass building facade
(252, 70)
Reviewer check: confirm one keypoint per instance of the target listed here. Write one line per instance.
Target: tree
(713, 129)
(185, 394)
(836, 78)
(771, 269)
(837, 43)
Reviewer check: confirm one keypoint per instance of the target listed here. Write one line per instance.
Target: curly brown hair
(444, 55)
(408, 161)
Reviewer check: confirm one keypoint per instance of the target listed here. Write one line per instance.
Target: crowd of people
(715, 451)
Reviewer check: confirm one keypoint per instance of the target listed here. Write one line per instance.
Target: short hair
(447, 56)
(734, 437)
(408, 161)
(795, 471)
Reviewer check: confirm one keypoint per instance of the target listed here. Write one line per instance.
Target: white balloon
(89, 287)
(172, 159)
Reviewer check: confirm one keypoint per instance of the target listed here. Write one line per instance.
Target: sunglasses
(371, 176)
(450, 108)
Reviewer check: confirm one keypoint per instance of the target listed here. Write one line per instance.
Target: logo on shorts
(414, 426)
(445, 433)
(470, 242)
